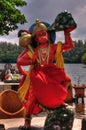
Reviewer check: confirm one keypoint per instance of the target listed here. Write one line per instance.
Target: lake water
(77, 72)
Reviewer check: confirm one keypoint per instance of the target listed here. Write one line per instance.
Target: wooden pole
(83, 124)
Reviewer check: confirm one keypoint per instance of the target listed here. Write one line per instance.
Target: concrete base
(37, 122)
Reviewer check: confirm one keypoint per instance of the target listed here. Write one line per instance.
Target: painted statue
(44, 85)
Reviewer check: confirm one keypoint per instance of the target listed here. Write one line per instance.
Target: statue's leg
(31, 101)
(60, 119)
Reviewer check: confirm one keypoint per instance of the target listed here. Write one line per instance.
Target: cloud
(12, 38)
(47, 10)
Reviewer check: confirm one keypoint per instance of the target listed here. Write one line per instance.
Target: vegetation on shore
(9, 53)
(78, 54)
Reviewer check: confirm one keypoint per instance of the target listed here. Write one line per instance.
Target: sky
(46, 11)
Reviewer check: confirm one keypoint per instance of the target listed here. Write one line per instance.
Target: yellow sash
(22, 91)
(58, 56)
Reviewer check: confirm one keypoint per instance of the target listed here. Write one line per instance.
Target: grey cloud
(47, 10)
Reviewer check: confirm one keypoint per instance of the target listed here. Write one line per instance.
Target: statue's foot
(24, 128)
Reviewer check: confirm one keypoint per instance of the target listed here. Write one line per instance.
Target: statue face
(42, 36)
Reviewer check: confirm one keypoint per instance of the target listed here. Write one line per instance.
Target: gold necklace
(43, 54)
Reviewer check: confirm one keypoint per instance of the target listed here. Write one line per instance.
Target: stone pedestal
(60, 119)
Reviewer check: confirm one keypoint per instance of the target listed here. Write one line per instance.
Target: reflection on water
(77, 73)
(79, 108)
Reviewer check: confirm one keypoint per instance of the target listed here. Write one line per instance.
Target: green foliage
(75, 55)
(10, 15)
(84, 58)
(9, 52)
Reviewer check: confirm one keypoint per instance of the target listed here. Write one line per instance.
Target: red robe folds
(47, 83)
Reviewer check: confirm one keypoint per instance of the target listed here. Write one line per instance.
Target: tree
(10, 15)
(84, 58)
(9, 52)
